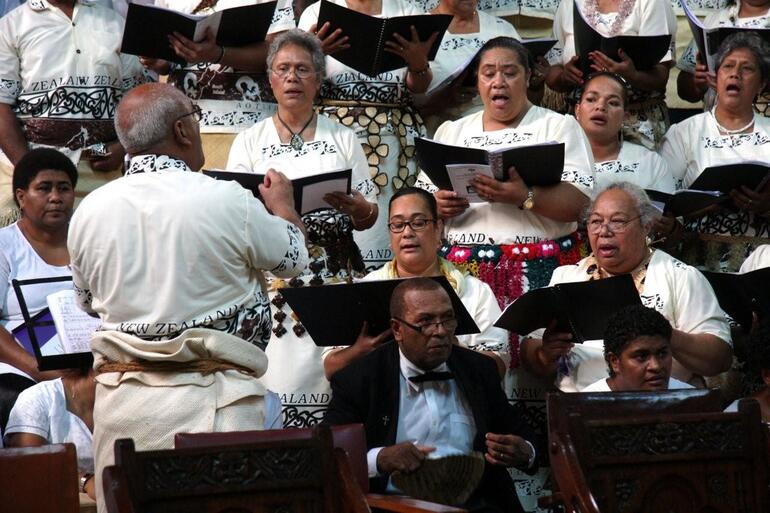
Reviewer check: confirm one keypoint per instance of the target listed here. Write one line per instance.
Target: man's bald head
(146, 115)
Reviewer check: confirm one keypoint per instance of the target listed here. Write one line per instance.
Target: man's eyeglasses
(416, 225)
(196, 113)
(430, 328)
(595, 225)
(300, 72)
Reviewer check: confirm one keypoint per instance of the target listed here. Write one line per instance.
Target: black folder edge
(252, 181)
(51, 362)
(564, 319)
(669, 199)
(741, 314)
(293, 295)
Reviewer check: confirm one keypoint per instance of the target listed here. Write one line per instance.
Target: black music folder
(708, 40)
(334, 314)
(148, 27)
(40, 329)
(644, 51)
(308, 191)
(582, 308)
(685, 201)
(728, 177)
(367, 36)
(741, 294)
(538, 165)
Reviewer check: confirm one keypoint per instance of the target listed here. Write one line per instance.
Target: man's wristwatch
(83, 481)
(529, 202)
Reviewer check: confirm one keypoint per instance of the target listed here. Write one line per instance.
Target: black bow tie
(432, 376)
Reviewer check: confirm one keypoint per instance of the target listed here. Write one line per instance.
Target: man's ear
(395, 327)
(182, 134)
(614, 362)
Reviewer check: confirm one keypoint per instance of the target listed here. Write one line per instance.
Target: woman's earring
(648, 241)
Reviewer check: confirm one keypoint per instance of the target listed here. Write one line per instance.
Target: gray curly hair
(304, 40)
(751, 42)
(648, 214)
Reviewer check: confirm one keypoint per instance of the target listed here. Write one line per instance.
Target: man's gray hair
(309, 42)
(751, 42)
(644, 207)
(150, 122)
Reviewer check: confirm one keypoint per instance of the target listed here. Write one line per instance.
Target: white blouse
(758, 259)
(638, 165)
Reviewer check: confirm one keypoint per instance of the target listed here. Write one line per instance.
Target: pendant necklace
(296, 141)
(727, 131)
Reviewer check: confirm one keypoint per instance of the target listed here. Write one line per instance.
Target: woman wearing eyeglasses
(378, 108)
(298, 142)
(618, 222)
(415, 236)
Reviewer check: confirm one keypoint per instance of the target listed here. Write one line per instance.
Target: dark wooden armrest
(115, 486)
(403, 504)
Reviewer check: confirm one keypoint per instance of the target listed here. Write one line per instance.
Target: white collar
(409, 370)
(155, 164)
(42, 5)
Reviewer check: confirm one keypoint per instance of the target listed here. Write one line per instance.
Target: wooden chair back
(646, 452)
(296, 475)
(39, 479)
(351, 438)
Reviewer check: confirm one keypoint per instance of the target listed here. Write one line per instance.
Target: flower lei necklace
(591, 13)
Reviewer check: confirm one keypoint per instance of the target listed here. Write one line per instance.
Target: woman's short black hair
(508, 43)
(38, 160)
(427, 197)
(630, 323)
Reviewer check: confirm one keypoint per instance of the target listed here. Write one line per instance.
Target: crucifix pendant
(296, 142)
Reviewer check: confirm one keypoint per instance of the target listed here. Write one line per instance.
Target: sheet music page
(73, 325)
(313, 194)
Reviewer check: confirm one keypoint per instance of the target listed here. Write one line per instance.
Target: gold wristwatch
(529, 202)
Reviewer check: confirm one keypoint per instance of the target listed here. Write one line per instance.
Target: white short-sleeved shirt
(646, 18)
(480, 302)
(535, 8)
(758, 259)
(137, 242)
(347, 83)
(20, 261)
(638, 165)
(334, 147)
(498, 223)
(52, 66)
(676, 290)
(602, 385)
(695, 144)
(247, 98)
(456, 49)
(42, 410)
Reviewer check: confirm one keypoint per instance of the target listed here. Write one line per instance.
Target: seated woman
(637, 349)
(298, 142)
(55, 412)
(730, 133)
(695, 82)
(618, 222)
(415, 236)
(758, 368)
(647, 112)
(515, 239)
(33, 247)
(228, 83)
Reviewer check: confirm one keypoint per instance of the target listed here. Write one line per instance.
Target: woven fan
(450, 480)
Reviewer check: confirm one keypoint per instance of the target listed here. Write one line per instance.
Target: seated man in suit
(637, 348)
(425, 396)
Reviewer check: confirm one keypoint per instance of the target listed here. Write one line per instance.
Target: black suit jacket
(368, 391)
